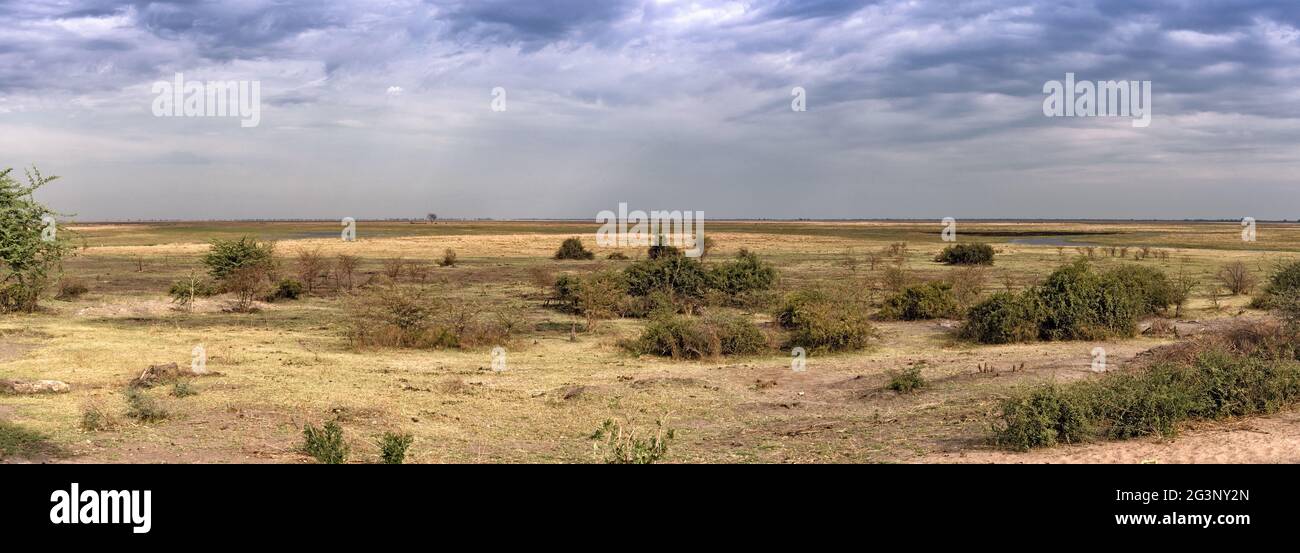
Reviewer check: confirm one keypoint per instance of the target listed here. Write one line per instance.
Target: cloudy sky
(915, 109)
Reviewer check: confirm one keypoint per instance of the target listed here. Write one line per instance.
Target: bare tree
(311, 268)
(1237, 278)
(344, 267)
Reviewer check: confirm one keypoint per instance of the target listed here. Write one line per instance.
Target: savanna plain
(389, 343)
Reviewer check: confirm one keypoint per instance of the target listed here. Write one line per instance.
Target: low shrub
(393, 446)
(683, 277)
(572, 248)
(600, 295)
(1283, 281)
(408, 317)
(225, 257)
(1003, 318)
(820, 322)
(1074, 303)
(1154, 400)
(326, 444)
(620, 445)
(565, 291)
(683, 337)
(906, 381)
(930, 300)
(966, 254)
(895, 278)
(143, 408)
(287, 289)
(743, 274)
(448, 258)
(70, 289)
(617, 256)
(186, 290)
(183, 388)
(661, 249)
(1153, 290)
(94, 418)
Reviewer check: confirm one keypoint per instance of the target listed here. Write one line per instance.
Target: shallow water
(1049, 241)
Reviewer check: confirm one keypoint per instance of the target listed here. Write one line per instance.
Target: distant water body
(1050, 241)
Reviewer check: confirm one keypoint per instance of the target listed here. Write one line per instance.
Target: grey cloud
(907, 100)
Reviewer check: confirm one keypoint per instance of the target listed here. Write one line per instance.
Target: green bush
(393, 446)
(621, 445)
(225, 257)
(797, 302)
(1216, 384)
(906, 381)
(27, 257)
(326, 444)
(1072, 298)
(695, 338)
(1003, 318)
(744, 274)
(186, 290)
(1041, 417)
(655, 304)
(287, 289)
(662, 249)
(819, 323)
(929, 300)
(738, 335)
(966, 254)
(183, 389)
(1153, 289)
(572, 248)
(1285, 281)
(1074, 303)
(683, 277)
(566, 291)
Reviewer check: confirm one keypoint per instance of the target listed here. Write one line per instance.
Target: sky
(914, 109)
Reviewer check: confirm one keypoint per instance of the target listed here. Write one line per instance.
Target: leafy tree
(31, 244)
(226, 256)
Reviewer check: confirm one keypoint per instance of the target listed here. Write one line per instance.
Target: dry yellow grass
(290, 364)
